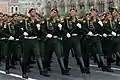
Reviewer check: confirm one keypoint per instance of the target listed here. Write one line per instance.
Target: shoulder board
(48, 19)
(58, 19)
(62, 19)
(84, 21)
(21, 21)
(26, 19)
(105, 21)
(67, 17)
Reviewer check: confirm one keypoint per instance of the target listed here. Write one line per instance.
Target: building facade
(44, 6)
(4, 6)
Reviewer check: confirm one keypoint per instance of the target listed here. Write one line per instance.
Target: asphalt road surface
(96, 73)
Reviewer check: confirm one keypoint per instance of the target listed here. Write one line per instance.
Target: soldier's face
(15, 17)
(73, 13)
(110, 17)
(5, 18)
(33, 13)
(53, 13)
(19, 18)
(1, 16)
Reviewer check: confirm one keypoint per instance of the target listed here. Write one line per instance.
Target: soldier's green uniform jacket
(4, 31)
(107, 28)
(30, 27)
(42, 32)
(52, 27)
(71, 27)
(15, 30)
(93, 26)
(117, 26)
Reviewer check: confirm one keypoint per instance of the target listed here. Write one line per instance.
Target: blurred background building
(44, 6)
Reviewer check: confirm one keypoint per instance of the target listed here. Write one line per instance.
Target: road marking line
(15, 75)
(111, 68)
(69, 77)
(107, 73)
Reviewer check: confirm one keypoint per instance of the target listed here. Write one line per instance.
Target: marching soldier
(4, 37)
(42, 34)
(113, 24)
(53, 42)
(108, 42)
(92, 43)
(73, 31)
(31, 43)
(14, 47)
(117, 39)
(1, 24)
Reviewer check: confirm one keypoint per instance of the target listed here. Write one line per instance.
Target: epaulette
(105, 21)
(67, 17)
(62, 19)
(58, 19)
(43, 22)
(48, 19)
(94, 20)
(54, 21)
(110, 18)
(26, 19)
(79, 19)
(88, 19)
(99, 19)
(21, 21)
(84, 21)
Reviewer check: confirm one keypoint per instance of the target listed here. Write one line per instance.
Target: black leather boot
(63, 70)
(103, 64)
(25, 76)
(43, 72)
(98, 60)
(82, 65)
(66, 62)
(109, 65)
(7, 67)
(24, 68)
(118, 59)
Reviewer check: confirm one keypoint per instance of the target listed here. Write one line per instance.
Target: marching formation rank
(33, 39)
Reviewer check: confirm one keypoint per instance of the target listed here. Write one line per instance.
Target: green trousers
(29, 47)
(52, 45)
(72, 43)
(92, 46)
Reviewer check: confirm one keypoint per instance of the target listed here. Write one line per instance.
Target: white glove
(11, 38)
(22, 29)
(100, 22)
(79, 25)
(38, 26)
(90, 33)
(104, 35)
(68, 35)
(60, 26)
(113, 33)
(96, 35)
(49, 36)
(25, 34)
(61, 38)
(119, 22)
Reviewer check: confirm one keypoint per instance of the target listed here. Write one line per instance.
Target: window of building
(90, 4)
(81, 4)
(55, 4)
(48, 8)
(101, 6)
(62, 7)
(72, 3)
(11, 9)
(16, 9)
